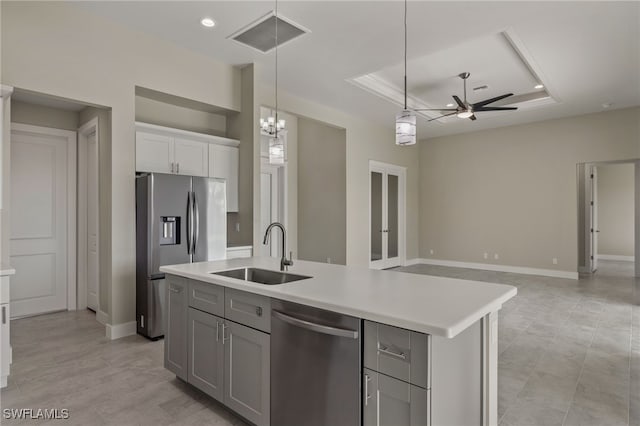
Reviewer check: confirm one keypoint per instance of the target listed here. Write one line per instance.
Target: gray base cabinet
(206, 353)
(226, 360)
(391, 402)
(247, 375)
(175, 336)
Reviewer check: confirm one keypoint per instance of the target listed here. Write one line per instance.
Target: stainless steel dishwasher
(315, 367)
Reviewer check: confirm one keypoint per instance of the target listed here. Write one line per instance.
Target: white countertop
(6, 270)
(428, 304)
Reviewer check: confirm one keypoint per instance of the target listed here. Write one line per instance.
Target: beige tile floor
(569, 351)
(569, 354)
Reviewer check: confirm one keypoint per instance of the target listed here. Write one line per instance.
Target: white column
(490, 369)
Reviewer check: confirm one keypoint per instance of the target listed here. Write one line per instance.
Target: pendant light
(405, 119)
(272, 125)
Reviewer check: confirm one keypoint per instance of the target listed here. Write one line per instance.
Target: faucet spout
(284, 262)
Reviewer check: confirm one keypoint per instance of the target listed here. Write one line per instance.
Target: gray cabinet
(175, 336)
(249, 309)
(206, 297)
(387, 401)
(206, 353)
(247, 381)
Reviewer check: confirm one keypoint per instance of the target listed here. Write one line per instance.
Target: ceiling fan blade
(473, 117)
(436, 109)
(496, 109)
(489, 101)
(442, 116)
(459, 102)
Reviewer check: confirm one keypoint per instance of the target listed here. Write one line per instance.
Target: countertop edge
(435, 330)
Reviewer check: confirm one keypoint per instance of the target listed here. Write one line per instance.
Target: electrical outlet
(496, 257)
(555, 260)
(328, 260)
(431, 251)
(237, 226)
(486, 255)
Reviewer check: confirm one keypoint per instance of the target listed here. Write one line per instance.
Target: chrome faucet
(284, 262)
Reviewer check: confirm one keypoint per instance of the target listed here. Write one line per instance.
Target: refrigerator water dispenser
(169, 230)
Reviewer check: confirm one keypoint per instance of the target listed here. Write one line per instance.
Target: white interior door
(387, 217)
(594, 219)
(42, 212)
(269, 209)
(92, 223)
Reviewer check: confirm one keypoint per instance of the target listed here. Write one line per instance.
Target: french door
(387, 233)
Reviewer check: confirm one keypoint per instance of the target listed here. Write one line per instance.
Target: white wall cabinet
(224, 164)
(174, 151)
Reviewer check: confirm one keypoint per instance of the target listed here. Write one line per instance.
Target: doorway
(271, 206)
(88, 217)
(43, 219)
(387, 231)
(608, 216)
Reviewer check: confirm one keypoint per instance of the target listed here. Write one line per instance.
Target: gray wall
(38, 115)
(242, 126)
(616, 209)
(513, 190)
(322, 197)
(164, 114)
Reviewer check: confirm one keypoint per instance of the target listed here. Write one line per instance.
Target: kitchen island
(449, 375)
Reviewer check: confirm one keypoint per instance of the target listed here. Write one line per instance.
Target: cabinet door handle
(259, 311)
(367, 396)
(385, 350)
(224, 333)
(4, 314)
(171, 167)
(217, 331)
(177, 167)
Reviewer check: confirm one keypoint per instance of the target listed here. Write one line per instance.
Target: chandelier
(405, 119)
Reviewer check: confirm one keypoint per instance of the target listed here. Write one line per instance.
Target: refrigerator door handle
(196, 229)
(189, 223)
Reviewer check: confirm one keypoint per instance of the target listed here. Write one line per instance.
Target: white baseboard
(102, 317)
(499, 268)
(121, 330)
(616, 257)
(415, 261)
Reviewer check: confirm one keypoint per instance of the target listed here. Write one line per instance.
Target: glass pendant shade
(465, 114)
(276, 150)
(406, 128)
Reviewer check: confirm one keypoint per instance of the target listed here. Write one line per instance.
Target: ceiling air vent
(261, 34)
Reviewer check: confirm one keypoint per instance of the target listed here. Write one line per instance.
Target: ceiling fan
(467, 110)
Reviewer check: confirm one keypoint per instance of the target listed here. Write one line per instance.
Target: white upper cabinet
(154, 153)
(223, 164)
(166, 150)
(191, 157)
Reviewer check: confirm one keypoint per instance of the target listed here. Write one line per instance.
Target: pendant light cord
(276, 53)
(405, 54)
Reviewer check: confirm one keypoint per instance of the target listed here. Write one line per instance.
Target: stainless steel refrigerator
(179, 219)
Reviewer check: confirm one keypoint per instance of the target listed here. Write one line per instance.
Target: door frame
(72, 167)
(86, 130)
(401, 172)
(584, 183)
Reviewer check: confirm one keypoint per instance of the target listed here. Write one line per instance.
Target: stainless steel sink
(261, 276)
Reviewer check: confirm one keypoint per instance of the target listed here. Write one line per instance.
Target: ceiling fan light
(464, 114)
(406, 128)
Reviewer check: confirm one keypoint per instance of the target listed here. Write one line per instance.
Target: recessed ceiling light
(208, 22)
(539, 86)
(450, 105)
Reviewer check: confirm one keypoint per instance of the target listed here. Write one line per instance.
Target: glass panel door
(392, 227)
(376, 216)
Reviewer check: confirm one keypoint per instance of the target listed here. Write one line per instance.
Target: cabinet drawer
(249, 309)
(391, 402)
(206, 297)
(397, 352)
